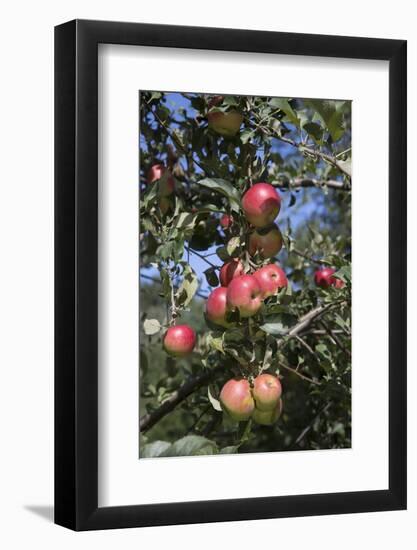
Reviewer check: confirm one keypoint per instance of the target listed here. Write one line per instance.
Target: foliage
(302, 147)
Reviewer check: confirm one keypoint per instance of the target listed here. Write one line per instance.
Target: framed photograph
(230, 244)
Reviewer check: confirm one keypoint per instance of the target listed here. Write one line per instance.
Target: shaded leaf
(278, 324)
(215, 402)
(225, 188)
(155, 449)
(191, 445)
(283, 104)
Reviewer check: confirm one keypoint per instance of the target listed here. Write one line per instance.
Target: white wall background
(26, 274)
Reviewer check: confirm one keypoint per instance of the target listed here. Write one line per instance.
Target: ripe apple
(267, 418)
(230, 270)
(324, 278)
(226, 124)
(266, 391)
(244, 293)
(271, 278)
(267, 241)
(166, 186)
(261, 204)
(216, 307)
(226, 221)
(236, 399)
(179, 341)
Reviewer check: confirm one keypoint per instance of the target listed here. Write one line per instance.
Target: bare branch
(308, 428)
(304, 148)
(309, 258)
(299, 374)
(149, 420)
(335, 339)
(311, 182)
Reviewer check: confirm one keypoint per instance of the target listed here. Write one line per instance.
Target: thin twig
(300, 375)
(335, 339)
(308, 428)
(311, 182)
(305, 149)
(204, 258)
(320, 332)
(307, 347)
(154, 280)
(309, 258)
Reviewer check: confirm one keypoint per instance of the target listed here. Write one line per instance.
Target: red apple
(216, 307)
(267, 242)
(226, 221)
(271, 278)
(244, 293)
(266, 391)
(267, 418)
(324, 278)
(179, 341)
(155, 173)
(236, 399)
(230, 270)
(226, 124)
(261, 204)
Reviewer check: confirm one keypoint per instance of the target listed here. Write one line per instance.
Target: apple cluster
(244, 284)
(260, 400)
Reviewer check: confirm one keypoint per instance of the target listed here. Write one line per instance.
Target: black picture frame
(76, 271)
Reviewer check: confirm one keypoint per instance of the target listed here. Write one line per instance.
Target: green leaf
(211, 276)
(188, 287)
(344, 273)
(225, 188)
(231, 449)
(233, 245)
(215, 402)
(191, 445)
(222, 253)
(215, 342)
(331, 113)
(155, 449)
(278, 324)
(151, 326)
(185, 220)
(155, 95)
(166, 250)
(283, 104)
(246, 135)
(314, 130)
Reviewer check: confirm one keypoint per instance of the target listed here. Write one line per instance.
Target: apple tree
(245, 249)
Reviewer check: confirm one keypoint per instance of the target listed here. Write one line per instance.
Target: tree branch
(153, 279)
(308, 428)
(190, 386)
(204, 258)
(194, 383)
(335, 339)
(304, 149)
(311, 182)
(309, 258)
